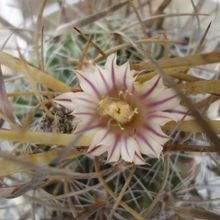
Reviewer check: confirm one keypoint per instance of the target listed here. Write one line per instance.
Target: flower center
(116, 109)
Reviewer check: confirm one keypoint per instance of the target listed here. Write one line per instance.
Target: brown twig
(160, 10)
(15, 30)
(90, 19)
(84, 52)
(123, 190)
(5, 105)
(148, 21)
(200, 119)
(157, 198)
(92, 43)
(147, 34)
(191, 148)
(192, 60)
(39, 35)
(110, 192)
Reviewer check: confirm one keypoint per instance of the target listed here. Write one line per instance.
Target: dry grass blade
(36, 74)
(189, 212)
(201, 42)
(193, 126)
(197, 50)
(39, 34)
(67, 190)
(83, 55)
(139, 19)
(157, 198)
(148, 21)
(110, 192)
(64, 139)
(28, 93)
(123, 190)
(15, 30)
(35, 182)
(90, 19)
(188, 61)
(175, 74)
(5, 106)
(190, 148)
(188, 23)
(203, 122)
(48, 170)
(33, 85)
(6, 191)
(42, 138)
(92, 43)
(40, 159)
(143, 41)
(201, 86)
(160, 10)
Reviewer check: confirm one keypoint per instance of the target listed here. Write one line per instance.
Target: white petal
(90, 128)
(73, 99)
(110, 65)
(109, 142)
(179, 113)
(67, 104)
(114, 147)
(65, 100)
(98, 138)
(98, 150)
(151, 87)
(159, 118)
(88, 83)
(121, 76)
(81, 105)
(126, 78)
(148, 145)
(154, 130)
(104, 80)
(138, 159)
(164, 100)
(128, 148)
(110, 61)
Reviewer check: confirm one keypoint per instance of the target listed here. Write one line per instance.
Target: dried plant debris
(61, 122)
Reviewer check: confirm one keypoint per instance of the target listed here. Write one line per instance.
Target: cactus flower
(123, 116)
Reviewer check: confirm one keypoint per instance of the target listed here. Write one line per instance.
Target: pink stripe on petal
(142, 137)
(177, 111)
(140, 157)
(83, 113)
(90, 84)
(126, 146)
(117, 138)
(157, 116)
(125, 77)
(133, 88)
(94, 149)
(113, 72)
(63, 100)
(149, 128)
(104, 136)
(149, 91)
(160, 102)
(99, 139)
(87, 100)
(87, 128)
(103, 79)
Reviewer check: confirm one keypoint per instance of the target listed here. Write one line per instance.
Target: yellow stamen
(118, 110)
